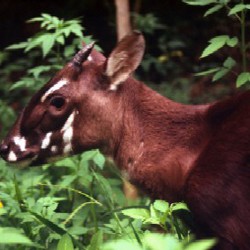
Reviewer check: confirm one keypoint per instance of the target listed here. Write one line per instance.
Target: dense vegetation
(78, 202)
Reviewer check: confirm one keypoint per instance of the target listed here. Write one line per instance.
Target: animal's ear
(125, 58)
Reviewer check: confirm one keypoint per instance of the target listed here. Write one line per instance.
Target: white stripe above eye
(55, 87)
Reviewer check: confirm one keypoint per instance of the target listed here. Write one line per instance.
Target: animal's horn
(82, 55)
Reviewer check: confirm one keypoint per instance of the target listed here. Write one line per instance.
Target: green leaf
(207, 72)
(48, 43)
(179, 206)
(229, 63)
(65, 243)
(17, 46)
(137, 213)
(232, 42)
(215, 44)
(237, 8)
(199, 2)
(161, 205)
(96, 241)
(13, 236)
(60, 39)
(201, 245)
(213, 9)
(36, 71)
(121, 244)
(242, 79)
(99, 160)
(51, 225)
(35, 19)
(220, 73)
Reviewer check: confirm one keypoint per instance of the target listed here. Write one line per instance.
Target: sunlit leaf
(96, 241)
(48, 43)
(13, 236)
(161, 205)
(219, 74)
(242, 79)
(65, 243)
(237, 8)
(201, 245)
(213, 9)
(137, 213)
(216, 43)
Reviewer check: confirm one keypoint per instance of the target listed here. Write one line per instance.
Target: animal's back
(218, 187)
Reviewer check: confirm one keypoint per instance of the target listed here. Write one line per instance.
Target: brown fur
(199, 154)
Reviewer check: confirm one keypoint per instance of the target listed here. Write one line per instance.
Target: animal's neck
(160, 140)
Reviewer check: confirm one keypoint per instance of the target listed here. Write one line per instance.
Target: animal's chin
(23, 163)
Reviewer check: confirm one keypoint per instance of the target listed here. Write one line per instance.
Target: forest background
(196, 52)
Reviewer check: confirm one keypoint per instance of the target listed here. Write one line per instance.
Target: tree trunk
(123, 25)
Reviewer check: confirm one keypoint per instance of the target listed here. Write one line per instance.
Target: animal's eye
(57, 102)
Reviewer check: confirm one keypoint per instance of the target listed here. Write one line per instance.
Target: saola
(195, 153)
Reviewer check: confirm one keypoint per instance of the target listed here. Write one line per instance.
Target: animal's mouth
(23, 159)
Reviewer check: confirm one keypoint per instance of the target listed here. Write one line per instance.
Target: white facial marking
(54, 148)
(68, 133)
(55, 87)
(12, 156)
(46, 140)
(20, 142)
(90, 58)
(113, 87)
(67, 148)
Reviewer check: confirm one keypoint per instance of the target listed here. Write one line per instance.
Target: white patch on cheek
(20, 142)
(55, 87)
(46, 140)
(12, 156)
(67, 131)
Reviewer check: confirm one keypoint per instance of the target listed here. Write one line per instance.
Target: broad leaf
(13, 236)
(237, 8)
(65, 243)
(161, 206)
(215, 44)
(213, 9)
(96, 241)
(219, 74)
(242, 79)
(201, 245)
(199, 2)
(137, 213)
(48, 43)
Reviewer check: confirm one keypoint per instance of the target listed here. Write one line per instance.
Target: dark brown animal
(199, 154)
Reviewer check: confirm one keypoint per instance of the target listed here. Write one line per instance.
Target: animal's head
(76, 110)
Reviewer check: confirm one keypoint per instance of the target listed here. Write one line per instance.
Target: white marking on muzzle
(46, 140)
(67, 131)
(55, 87)
(20, 142)
(12, 156)
(90, 58)
(54, 149)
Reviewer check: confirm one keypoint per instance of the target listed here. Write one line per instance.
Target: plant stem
(92, 208)
(243, 39)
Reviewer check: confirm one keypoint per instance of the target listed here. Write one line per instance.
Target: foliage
(237, 11)
(70, 204)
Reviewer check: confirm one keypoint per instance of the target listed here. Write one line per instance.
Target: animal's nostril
(4, 149)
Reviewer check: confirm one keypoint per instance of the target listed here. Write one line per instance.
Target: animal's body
(195, 153)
